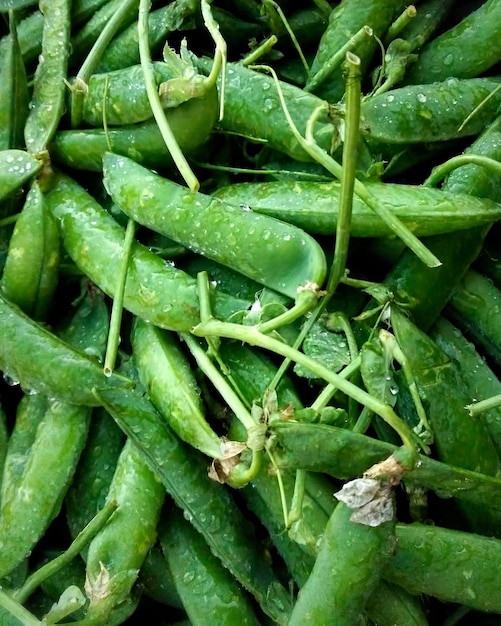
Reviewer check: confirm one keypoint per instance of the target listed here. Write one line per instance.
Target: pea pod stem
(22, 615)
(118, 300)
(476, 408)
(343, 227)
(400, 23)
(50, 568)
(337, 58)
(219, 64)
(320, 156)
(155, 103)
(258, 52)
(252, 335)
(441, 171)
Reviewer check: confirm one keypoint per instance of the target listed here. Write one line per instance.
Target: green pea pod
(14, 95)
(94, 472)
(22, 338)
(345, 454)
(346, 571)
(47, 474)
(191, 122)
(207, 505)
(17, 167)
(155, 290)
(255, 245)
(30, 412)
(4, 437)
(206, 588)
(479, 379)
(47, 104)
(451, 565)
(123, 50)
(344, 21)
(120, 97)
(314, 206)
(29, 33)
(466, 50)
(31, 269)
(473, 307)
(429, 113)
(156, 581)
(166, 374)
(117, 552)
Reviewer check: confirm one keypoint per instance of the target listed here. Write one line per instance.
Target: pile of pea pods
(250, 312)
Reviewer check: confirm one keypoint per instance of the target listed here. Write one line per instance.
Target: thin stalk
(476, 408)
(22, 615)
(337, 58)
(400, 23)
(325, 396)
(219, 63)
(320, 156)
(440, 171)
(81, 540)
(350, 152)
(251, 335)
(79, 87)
(261, 50)
(154, 99)
(118, 301)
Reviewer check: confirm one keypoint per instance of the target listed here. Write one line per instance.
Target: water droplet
(390, 98)
(421, 97)
(10, 380)
(448, 59)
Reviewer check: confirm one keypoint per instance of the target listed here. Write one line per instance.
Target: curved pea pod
(47, 103)
(165, 373)
(17, 167)
(344, 21)
(344, 454)
(451, 565)
(429, 113)
(120, 97)
(32, 265)
(30, 412)
(155, 290)
(255, 245)
(47, 474)
(313, 206)
(22, 338)
(347, 569)
(474, 307)
(479, 379)
(191, 122)
(14, 94)
(208, 505)
(207, 590)
(252, 108)
(466, 50)
(117, 552)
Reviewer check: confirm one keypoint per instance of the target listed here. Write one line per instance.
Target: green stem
(329, 390)
(320, 156)
(258, 52)
(118, 301)
(400, 23)
(251, 335)
(92, 59)
(81, 540)
(440, 171)
(154, 99)
(337, 58)
(219, 63)
(364, 421)
(297, 498)
(11, 219)
(22, 615)
(350, 151)
(476, 408)
(293, 37)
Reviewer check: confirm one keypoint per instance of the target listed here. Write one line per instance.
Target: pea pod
(255, 245)
(155, 290)
(466, 50)
(21, 338)
(344, 454)
(344, 21)
(346, 571)
(191, 123)
(31, 269)
(165, 373)
(451, 565)
(205, 587)
(14, 95)
(207, 505)
(17, 167)
(116, 553)
(47, 103)
(313, 206)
